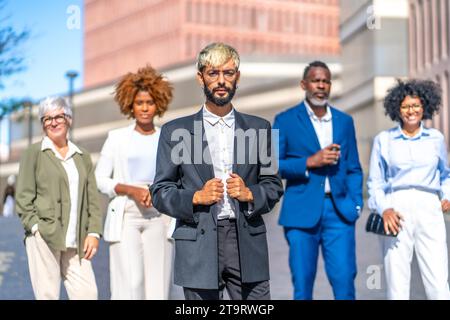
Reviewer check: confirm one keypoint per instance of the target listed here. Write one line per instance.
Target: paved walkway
(370, 284)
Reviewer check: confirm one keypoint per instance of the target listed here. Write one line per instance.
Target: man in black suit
(216, 174)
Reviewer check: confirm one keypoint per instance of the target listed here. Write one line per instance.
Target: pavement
(370, 283)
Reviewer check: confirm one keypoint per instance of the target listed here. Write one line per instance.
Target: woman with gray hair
(57, 202)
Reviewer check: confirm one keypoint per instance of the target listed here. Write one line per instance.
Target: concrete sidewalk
(15, 281)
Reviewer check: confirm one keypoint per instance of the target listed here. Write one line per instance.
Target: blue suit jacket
(304, 196)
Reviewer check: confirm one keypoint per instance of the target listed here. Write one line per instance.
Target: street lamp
(29, 105)
(71, 75)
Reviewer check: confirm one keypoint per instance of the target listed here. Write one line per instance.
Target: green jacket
(42, 197)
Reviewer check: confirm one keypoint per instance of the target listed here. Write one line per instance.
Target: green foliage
(8, 106)
(11, 58)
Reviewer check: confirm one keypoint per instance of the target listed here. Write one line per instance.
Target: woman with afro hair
(140, 246)
(409, 186)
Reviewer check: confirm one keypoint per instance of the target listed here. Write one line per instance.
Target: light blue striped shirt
(401, 162)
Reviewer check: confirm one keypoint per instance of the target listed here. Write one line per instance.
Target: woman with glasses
(57, 202)
(409, 185)
(140, 248)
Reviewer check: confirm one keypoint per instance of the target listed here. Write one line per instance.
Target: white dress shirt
(113, 168)
(73, 177)
(219, 133)
(72, 174)
(400, 162)
(324, 131)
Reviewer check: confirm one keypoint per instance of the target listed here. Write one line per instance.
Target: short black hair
(429, 93)
(315, 64)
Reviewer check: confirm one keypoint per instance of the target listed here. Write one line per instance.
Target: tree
(11, 58)
(11, 105)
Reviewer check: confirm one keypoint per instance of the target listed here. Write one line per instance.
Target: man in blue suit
(323, 198)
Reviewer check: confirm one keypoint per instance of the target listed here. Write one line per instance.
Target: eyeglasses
(60, 118)
(414, 107)
(227, 74)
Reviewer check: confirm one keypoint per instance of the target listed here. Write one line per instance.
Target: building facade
(276, 39)
(265, 88)
(374, 44)
(123, 35)
(429, 51)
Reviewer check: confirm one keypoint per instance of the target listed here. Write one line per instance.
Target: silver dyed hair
(54, 103)
(216, 54)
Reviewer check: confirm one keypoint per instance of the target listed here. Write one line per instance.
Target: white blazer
(112, 168)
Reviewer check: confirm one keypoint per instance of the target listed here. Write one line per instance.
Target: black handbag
(375, 224)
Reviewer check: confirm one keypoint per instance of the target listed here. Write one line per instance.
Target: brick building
(123, 35)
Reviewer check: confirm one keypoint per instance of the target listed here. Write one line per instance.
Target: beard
(316, 102)
(217, 100)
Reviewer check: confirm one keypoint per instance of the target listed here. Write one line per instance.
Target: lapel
(201, 158)
(337, 126)
(57, 163)
(240, 169)
(82, 173)
(239, 123)
(82, 176)
(308, 127)
(123, 146)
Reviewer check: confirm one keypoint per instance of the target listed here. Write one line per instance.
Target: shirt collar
(48, 144)
(213, 119)
(327, 117)
(423, 132)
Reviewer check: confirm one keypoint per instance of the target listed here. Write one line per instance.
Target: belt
(418, 188)
(224, 222)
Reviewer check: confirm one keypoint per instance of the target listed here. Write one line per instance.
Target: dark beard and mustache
(217, 100)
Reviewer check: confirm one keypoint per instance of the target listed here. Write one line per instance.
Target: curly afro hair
(146, 79)
(427, 91)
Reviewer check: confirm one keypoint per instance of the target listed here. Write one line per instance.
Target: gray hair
(53, 103)
(216, 54)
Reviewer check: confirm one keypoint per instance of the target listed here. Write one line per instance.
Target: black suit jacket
(181, 171)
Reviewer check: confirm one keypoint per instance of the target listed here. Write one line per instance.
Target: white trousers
(423, 231)
(141, 263)
(48, 266)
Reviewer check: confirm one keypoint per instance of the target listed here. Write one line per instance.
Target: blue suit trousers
(337, 240)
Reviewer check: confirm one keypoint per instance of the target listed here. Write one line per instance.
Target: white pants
(141, 263)
(48, 266)
(423, 230)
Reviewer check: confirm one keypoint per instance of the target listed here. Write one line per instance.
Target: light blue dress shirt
(400, 162)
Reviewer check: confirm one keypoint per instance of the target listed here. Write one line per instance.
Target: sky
(55, 46)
